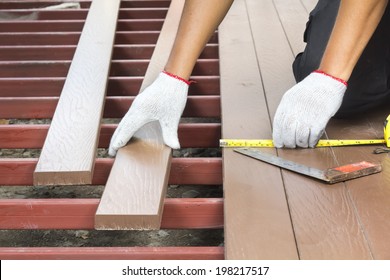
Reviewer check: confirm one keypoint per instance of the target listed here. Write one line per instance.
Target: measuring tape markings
(267, 143)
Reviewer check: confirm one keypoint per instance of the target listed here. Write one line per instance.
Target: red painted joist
(55, 53)
(145, 4)
(112, 253)
(178, 213)
(184, 171)
(194, 135)
(72, 38)
(76, 25)
(115, 107)
(36, 4)
(117, 86)
(135, 67)
(77, 14)
(18, 4)
(21, 53)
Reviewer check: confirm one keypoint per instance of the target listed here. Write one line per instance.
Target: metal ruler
(330, 175)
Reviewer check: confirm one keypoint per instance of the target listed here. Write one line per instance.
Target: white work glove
(164, 101)
(305, 110)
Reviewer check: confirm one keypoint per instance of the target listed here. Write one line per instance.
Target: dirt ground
(92, 238)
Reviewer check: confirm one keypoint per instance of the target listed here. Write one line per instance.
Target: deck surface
(341, 221)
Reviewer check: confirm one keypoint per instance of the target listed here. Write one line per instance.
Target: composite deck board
(309, 4)
(293, 26)
(370, 195)
(257, 220)
(135, 190)
(69, 151)
(324, 219)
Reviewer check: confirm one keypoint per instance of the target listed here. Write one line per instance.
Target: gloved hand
(305, 110)
(164, 101)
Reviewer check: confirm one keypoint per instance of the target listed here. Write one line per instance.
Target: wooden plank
(293, 26)
(309, 4)
(184, 171)
(257, 220)
(179, 213)
(135, 190)
(68, 154)
(370, 195)
(323, 218)
(114, 253)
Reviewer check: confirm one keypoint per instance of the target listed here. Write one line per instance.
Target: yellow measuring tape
(258, 143)
(236, 143)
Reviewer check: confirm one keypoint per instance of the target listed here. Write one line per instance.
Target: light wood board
(68, 154)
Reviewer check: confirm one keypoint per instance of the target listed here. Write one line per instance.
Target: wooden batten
(68, 154)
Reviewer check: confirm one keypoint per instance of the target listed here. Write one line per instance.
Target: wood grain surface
(135, 190)
(69, 151)
(324, 219)
(257, 219)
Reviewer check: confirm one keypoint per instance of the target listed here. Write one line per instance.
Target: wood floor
(277, 214)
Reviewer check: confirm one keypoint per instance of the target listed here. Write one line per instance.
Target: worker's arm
(199, 21)
(164, 100)
(306, 108)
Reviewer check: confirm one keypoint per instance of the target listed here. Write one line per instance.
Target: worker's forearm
(355, 23)
(199, 20)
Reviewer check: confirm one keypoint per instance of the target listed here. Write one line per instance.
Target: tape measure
(268, 143)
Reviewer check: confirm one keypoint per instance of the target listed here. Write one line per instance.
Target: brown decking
(343, 221)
